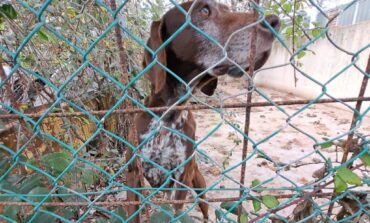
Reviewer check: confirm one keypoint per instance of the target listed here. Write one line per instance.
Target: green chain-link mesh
(57, 191)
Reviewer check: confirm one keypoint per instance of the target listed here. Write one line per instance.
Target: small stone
(215, 171)
(122, 195)
(311, 115)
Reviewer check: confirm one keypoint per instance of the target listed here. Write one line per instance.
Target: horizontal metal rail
(191, 107)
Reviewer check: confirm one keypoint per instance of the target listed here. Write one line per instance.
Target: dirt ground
(292, 146)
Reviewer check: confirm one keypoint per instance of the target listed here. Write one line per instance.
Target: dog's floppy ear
(208, 84)
(156, 74)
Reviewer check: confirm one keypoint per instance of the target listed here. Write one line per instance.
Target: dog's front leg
(192, 178)
(199, 182)
(133, 181)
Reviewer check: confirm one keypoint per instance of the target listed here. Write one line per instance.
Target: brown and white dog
(189, 54)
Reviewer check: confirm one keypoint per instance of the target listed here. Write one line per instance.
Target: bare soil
(289, 146)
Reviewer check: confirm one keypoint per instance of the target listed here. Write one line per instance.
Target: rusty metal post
(348, 143)
(133, 173)
(251, 60)
(358, 108)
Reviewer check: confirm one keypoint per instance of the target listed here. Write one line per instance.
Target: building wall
(325, 63)
(356, 13)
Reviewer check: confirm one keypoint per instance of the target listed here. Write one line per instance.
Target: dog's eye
(205, 11)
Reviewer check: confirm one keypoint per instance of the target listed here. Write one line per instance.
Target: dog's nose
(274, 22)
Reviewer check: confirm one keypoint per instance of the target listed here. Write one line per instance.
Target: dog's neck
(167, 97)
(172, 92)
(175, 90)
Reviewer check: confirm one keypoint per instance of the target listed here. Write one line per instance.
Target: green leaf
(225, 163)
(29, 183)
(12, 212)
(4, 164)
(275, 9)
(316, 32)
(88, 177)
(244, 218)
(56, 162)
(120, 212)
(288, 7)
(2, 24)
(301, 54)
(9, 11)
(366, 159)
(42, 191)
(159, 217)
(339, 184)
(185, 218)
(56, 110)
(326, 144)
(101, 220)
(7, 185)
(270, 201)
(256, 182)
(71, 12)
(349, 177)
(43, 35)
(41, 218)
(86, 121)
(256, 205)
(27, 59)
(289, 31)
(261, 155)
(67, 213)
(230, 206)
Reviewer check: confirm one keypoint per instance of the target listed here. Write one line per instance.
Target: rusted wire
(154, 201)
(190, 107)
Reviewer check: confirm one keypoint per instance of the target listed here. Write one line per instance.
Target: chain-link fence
(72, 83)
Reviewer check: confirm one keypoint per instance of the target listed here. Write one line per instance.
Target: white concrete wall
(324, 64)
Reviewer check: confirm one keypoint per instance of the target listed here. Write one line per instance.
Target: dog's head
(190, 53)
